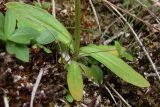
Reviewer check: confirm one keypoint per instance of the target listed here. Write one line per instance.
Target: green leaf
(97, 74)
(24, 35)
(102, 48)
(122, 51)
(44, 48)
(39, 19)
(1, 35)
(127, 56)
(118, 47)
(10, 23)
(116, 65)
(46, 37)
(20, 51)
(74, 80)
(94, 72)
(69, 98)
(1, 26)
(1, 22)
(87, 71)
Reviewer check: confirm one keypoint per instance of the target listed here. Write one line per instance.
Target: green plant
(110, 56)
(16, 40)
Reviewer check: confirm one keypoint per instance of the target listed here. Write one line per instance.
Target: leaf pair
(115, 64)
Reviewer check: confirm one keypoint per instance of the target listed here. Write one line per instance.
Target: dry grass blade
(110, 94)
(36, 87)
(6, 102)
(116, 92)
(112, 38)
(95, 14)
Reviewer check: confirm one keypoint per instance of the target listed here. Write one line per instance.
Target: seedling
(110, 56)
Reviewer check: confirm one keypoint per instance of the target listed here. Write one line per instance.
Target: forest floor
(17, 78)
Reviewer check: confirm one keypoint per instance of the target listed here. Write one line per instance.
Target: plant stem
(39, 2)
(77, 26)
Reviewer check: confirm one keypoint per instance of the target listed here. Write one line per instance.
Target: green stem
(39, 2)
(77, 27)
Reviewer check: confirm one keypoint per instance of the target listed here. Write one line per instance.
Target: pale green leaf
(46, 37)
(122, 51)
(116, 65)
(87, 71)
(10, 23)
(74, 80)
(118, 47)
(127, 56)
(40, 19)
(24, 35)
(102, 48)
(20, 51)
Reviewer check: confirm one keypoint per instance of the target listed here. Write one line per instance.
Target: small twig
(150, 74)
(95, 14)
(36, 87)
(112, 38)
(110, 94)
(136, 36)
(6, 102)
(53, 8)
(116, 92)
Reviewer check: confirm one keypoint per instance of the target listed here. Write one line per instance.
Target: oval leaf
(97, 74)
(116, 65)
(35, 16)
(20, 51)
(75, 81)
(24, 35)
(10, 23)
